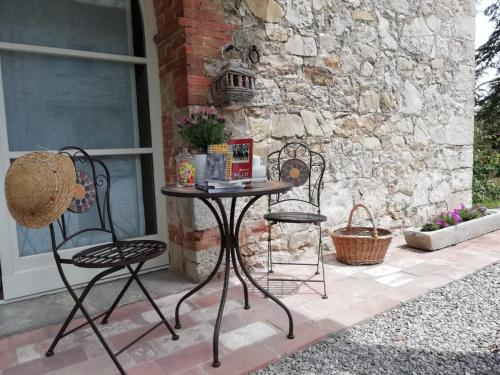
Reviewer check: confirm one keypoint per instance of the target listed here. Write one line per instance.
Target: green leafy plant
(430, 226)
(472, 213)
(486, 178)
(203, 128)
(453, 217)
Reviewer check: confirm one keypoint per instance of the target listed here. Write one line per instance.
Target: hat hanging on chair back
(39, 187)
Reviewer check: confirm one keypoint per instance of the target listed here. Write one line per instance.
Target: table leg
(212, 274)
(233, 257)
(226, 239)
(238, 274)
(229, 231)
(249, 276)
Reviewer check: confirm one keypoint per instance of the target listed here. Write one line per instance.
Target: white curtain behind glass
(51, 102)
(86, 25)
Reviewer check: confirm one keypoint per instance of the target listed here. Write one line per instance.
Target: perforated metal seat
(295, 217)
(118, 254)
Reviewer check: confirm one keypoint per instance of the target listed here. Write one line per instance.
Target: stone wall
(382, 88)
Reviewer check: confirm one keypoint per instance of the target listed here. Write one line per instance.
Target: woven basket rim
(388, 233)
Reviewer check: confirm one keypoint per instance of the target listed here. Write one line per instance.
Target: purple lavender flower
(456, 218)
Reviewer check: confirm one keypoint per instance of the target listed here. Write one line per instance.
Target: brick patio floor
(250, 339)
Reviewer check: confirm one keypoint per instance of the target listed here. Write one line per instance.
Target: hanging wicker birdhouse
(235, 84)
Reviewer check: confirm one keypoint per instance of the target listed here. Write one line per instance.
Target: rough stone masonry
(382, 88)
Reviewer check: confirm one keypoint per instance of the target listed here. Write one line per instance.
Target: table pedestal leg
(249, 276)
(229, 231)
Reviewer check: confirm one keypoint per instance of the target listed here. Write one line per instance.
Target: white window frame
(43, 276)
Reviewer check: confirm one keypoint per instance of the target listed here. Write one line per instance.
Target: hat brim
(39, 187)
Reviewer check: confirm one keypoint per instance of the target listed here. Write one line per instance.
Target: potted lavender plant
(452, 227)
(200, 129)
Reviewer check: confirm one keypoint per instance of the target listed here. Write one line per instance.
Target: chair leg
(319, 248)
(269, 259)
(122, 293)
(269, 248)
(152, 302)
(82, 297)
(87, 316)
(320, 254)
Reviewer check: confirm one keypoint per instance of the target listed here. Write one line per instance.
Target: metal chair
(92, 193)
(297, 164)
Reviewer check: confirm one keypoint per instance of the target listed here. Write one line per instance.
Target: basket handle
(349, 224)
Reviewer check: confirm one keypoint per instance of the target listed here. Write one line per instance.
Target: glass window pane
(87, 25)
(132, 207)
(52, 102)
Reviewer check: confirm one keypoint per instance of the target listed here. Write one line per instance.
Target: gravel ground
(452, 330)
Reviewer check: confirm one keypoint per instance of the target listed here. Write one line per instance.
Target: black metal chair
(92, 194)
(297, 164)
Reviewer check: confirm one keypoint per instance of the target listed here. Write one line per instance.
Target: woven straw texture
(361, 245)
(39, 187)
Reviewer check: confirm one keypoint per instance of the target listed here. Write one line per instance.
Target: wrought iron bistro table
(229, 227)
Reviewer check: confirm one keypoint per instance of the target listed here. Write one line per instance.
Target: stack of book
(229, 167)
(218, 186)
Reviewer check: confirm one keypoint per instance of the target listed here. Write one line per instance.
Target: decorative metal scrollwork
(304, 168)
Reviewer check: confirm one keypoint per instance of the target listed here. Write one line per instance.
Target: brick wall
(190, 35)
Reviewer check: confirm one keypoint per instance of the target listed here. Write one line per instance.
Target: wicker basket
(361, 245)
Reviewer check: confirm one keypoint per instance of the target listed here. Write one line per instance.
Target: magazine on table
(219, 162)
(242, 158)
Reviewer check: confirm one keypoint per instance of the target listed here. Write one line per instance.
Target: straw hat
(39, 187)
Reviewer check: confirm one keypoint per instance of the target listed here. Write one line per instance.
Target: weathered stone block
(301, 46)
(412, 99)
(362, 15)
(260, 128)
(268, 10)
(319, 76)
(287, 126)
(368, 102)
(276, 32)
(311, 123)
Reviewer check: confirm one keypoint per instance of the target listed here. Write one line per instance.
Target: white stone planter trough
(438, 239)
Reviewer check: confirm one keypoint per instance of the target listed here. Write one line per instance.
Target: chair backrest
(90, 205)
(303, 168)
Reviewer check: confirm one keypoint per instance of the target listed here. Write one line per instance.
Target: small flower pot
(445, 237)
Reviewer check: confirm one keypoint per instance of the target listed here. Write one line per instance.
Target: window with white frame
(74, 72)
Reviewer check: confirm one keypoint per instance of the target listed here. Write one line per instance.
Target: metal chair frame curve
(314, 184)
(114, 256)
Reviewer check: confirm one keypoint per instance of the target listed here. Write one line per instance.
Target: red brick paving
(354, 295)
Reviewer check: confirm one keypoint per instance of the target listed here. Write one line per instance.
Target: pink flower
(206, 111)
(456, 216)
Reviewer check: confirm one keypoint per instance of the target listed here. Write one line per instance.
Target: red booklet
(242, 158)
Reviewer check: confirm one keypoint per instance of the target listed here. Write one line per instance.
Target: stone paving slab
(250, 339)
